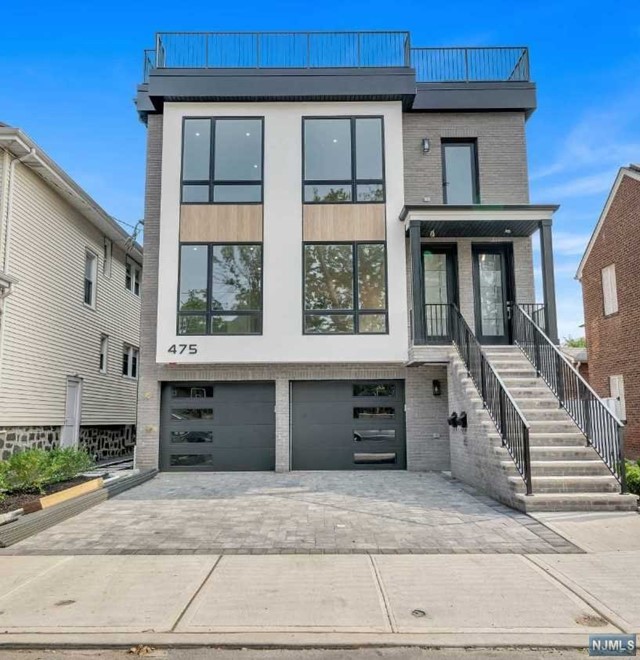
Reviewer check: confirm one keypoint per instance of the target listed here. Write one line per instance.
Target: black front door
(440, 289)
(493, 288)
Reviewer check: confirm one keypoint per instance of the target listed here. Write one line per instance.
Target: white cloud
(582, 186)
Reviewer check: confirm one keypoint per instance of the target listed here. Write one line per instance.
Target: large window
(343, 160)
(133, 274)
(460, 172)
(130, 355)
(345, 288)
(222, 161)
(220, 289)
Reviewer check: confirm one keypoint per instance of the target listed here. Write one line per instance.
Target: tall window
(220, 289)
(343, 160)
(609, 290)
(107, 254)
(133, 274)
(104, 354)
(345, 288)
(222, 161)
(130, 355)
(90, 276)
(460, 172)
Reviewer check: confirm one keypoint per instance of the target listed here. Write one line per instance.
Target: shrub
(633, 477)
(33, 469)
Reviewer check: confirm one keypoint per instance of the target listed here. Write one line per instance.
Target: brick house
(338, 256)
(610, 276)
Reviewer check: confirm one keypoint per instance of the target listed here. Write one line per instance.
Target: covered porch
(480, 259)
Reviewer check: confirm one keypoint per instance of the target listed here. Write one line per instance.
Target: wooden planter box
(63, 495)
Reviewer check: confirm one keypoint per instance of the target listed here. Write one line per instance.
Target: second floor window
(460, 172)
(343, 160)
(345, 288)
(222, 161)
(220, 290)
(130, 355)
(133, 273)
(104, 354)
(609, 290)
(90, 277)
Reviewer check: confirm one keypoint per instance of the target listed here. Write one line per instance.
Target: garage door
(218, 426)
(344, 425)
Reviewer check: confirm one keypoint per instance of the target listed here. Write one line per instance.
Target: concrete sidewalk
(488, 600)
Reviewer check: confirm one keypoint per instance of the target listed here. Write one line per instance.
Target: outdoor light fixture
(426, 145)
(452, 420)
(436, 388)
(462, 419)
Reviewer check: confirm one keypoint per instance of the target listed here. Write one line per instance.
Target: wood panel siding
(221, 223)
(344, 222)
(48, 333)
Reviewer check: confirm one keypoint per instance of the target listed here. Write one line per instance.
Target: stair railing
(602, 429)
(503, 410)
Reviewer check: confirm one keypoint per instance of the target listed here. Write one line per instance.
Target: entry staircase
(561, 446)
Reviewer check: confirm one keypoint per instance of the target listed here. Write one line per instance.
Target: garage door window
(345, 288)
(374, 389)
(191, 436)
(191, 460)
(220, 290)
(374, 413)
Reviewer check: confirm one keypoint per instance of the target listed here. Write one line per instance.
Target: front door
(492, 280)
(440, 289)
(73, 407)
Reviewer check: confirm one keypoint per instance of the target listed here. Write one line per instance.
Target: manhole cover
(418, 613)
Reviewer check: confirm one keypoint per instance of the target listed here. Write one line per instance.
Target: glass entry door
(492, 291)
(439, 267)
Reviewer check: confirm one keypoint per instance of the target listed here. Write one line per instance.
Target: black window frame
(132, 354)
(211, 181)
(475, 168)
(90, 288)
(355, 312)
(209, 312)
(354, 182)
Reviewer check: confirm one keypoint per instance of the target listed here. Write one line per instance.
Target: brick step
(516, 372)
(553, 426)
(569, 484)
(569, 468)
(529, 391)
(539, 403)
(541, 414)
(577, 502)
(562, 453)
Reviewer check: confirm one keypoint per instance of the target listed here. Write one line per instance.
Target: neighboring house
(579, 359)
(70, 311)
(610, 276)
(319, 206)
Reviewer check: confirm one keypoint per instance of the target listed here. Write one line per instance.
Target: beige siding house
(70, 311)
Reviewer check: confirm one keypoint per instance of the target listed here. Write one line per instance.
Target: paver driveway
(327, 512)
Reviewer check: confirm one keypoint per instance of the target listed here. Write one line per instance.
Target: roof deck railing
(313, 50)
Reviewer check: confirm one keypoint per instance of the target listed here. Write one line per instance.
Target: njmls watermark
(612, 645)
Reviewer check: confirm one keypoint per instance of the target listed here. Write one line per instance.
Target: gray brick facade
(502, 155)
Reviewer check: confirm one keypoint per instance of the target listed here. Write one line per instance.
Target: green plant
(575, 342)
(31, 470)
(633, 477)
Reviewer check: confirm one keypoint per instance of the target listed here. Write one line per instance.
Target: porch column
(548, 280)
(417, 285)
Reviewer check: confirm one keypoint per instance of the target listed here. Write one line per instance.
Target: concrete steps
(567, 474)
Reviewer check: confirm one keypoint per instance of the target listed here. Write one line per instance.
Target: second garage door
(218, 426)
(348, 425)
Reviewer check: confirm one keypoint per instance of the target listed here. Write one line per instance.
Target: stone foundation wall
(104, 442)
(13, 439)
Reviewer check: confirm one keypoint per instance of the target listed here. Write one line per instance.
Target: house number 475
(179, 349)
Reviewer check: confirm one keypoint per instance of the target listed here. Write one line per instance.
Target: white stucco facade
(282, 340)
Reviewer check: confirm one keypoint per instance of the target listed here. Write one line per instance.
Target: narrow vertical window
(130, 356)
(133, 274)
(90, 271)
(104, 354)
(609, 290)
(460, 172)
(107, 255)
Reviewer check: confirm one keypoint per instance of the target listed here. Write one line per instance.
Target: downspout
(7, 222)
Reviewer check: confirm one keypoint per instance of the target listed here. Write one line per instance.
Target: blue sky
(70, 69)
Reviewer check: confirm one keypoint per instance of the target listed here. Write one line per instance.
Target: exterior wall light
(426, 145)
(437, 390)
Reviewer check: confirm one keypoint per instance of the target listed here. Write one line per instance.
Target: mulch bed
(13, 501)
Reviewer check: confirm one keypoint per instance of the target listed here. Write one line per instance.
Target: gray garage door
(218, 426)
(345, 425)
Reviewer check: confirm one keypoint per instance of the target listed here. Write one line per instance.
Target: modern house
(336, 225)
(610, 276)
(69, 311)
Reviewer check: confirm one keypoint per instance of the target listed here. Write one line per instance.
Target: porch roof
(477, 220)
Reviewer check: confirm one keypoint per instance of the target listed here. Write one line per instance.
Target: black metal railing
(536, 311)
(437, 318)
(490, 64)
(282, 49)
(603, 430)
(503, 410)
